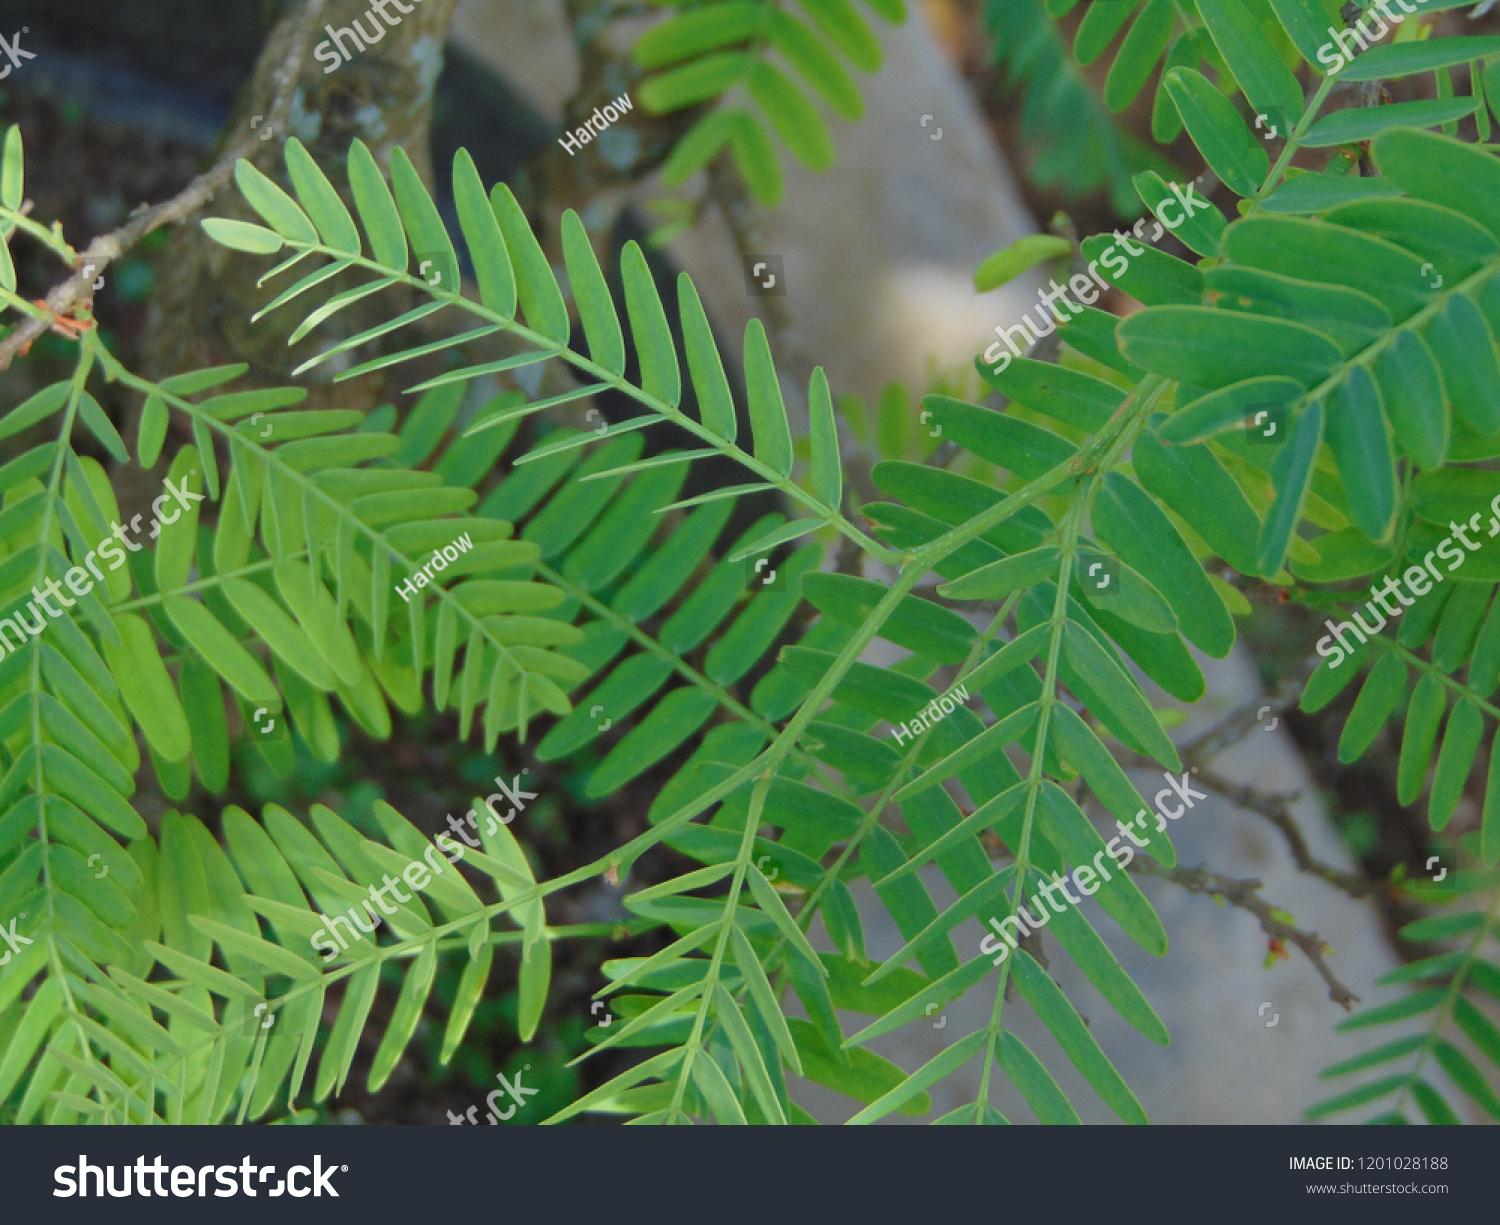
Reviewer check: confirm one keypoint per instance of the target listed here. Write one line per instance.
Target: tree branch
(79, 289)
(1245, 895)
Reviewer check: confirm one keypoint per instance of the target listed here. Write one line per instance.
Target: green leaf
(846, 29)
(320, 200)
(1365, 123)
(1266, 81)
(101, 427)
(1403, 59)
(1215, 348)
(697, 147)
(756, 159)
(1305, 21)
(1109, 585)
(864, 1076)
(1129, 521)
(1291, 473)
(1080, 400)
(1412, 394)
(1027, 450)
(1083, 944)
(276, 208)
(930, 1073)
(12, 172)
(376, 208)
(36, 407)
(1423, 715)
(221, 650)
(1467, 1077)
(1203, 232)
(487, 251)
(764, 997)
(1361, 447)
(1464, 347)
(1455, 760)
(152, 431)
(1490, 819)
(692, 33)
(795, 119)
(1139, 54)
(805, 52)
(1434, 1109)
(1153, 277)
(542, 301)
(147, 689)
(343, 1042)
(1383, 690)
(827, 464)
(1317, 193)
(1033, 1080)
(706, 367)
(1221, 136)
(1438, 169)
(1098, 29)
(716, 1091)
(998, 579)
(281, 633)
(1006, 264)
(676, 717)
(536, 975)
(694, 82)
(771, 904)
(655, 350)
(1064, 1023)
(238, 235)
(1084, 751)
(748, 1054)
(1125, 706)
(595, 307)
(768, 421)
(1069, 830)
(257, 951)
(1357, 1097)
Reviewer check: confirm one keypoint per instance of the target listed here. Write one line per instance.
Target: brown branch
(79, 289)
(726, 188)
(1274, 807)
(1277, 810)
(1245, 895)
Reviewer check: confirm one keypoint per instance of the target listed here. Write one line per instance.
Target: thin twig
(104, 250)
(1274, 807)
(1277, 810)
(1245, 895)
